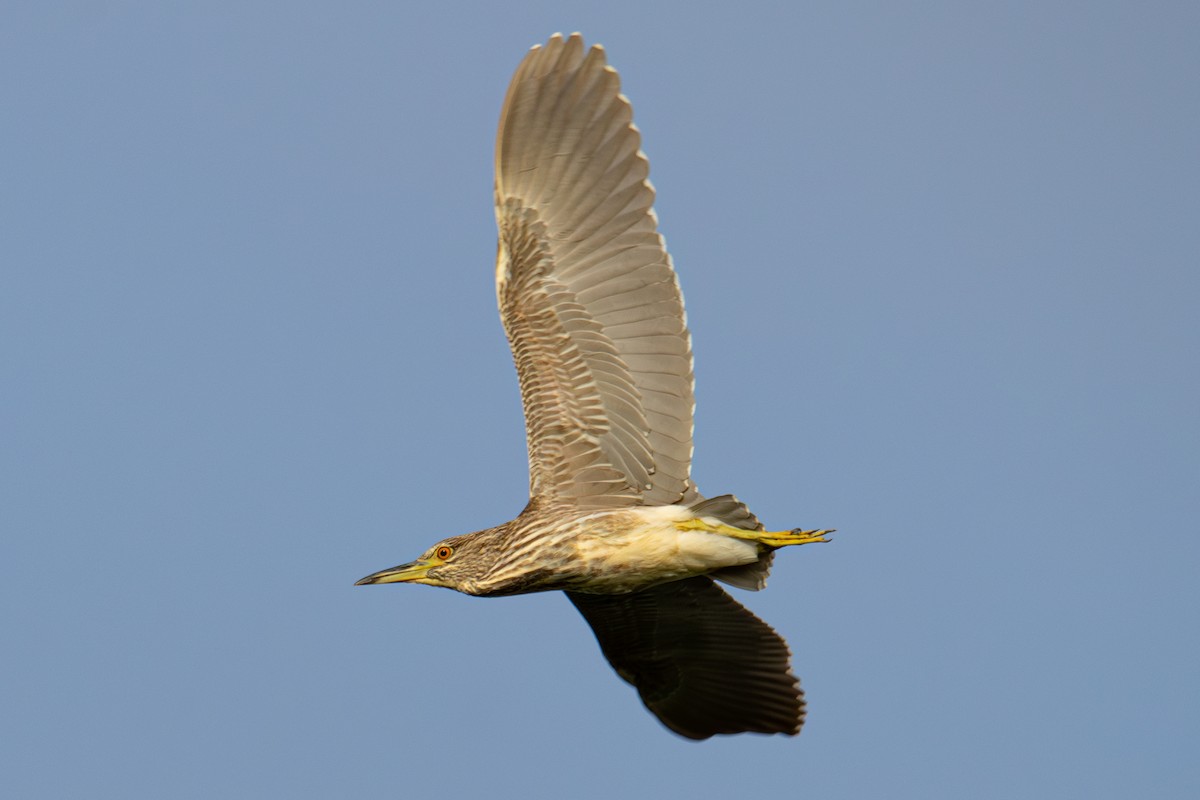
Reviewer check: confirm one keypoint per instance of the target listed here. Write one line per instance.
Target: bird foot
(794, 536)
(767, 538)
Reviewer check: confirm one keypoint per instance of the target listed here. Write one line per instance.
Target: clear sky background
(942, 266)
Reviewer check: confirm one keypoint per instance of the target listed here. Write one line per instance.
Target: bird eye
(444, 552)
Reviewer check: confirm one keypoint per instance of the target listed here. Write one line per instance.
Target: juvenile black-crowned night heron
(595, 318)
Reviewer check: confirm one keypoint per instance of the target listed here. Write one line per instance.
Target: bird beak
(414, 572)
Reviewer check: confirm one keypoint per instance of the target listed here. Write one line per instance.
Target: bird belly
(646, 547)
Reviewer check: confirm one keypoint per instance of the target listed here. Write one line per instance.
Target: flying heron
(594, 315)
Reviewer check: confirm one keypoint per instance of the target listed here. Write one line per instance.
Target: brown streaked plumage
(594, 315)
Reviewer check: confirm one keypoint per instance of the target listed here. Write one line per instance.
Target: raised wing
(587, 294)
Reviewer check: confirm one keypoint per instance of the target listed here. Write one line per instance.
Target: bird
(593, 312)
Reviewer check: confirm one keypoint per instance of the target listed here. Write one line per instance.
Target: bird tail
(731, 511)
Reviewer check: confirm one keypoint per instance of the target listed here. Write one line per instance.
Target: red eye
(444, 552)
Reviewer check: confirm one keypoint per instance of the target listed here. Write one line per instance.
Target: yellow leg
(768, 538)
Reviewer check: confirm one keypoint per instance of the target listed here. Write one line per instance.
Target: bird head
(453, 563)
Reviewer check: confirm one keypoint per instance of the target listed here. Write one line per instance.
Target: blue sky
(941, 266)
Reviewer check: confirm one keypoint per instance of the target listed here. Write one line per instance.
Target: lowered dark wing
(700, 661)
